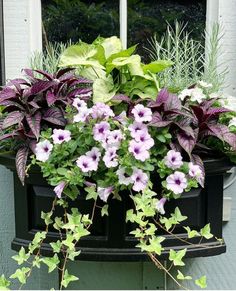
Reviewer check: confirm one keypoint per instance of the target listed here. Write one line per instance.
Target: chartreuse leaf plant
(120, 132)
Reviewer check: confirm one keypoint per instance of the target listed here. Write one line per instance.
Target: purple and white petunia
(114, 138)
(122, 118)
(59, 189)
(82, 114)
(60, 135)
(79, 104)
(94, 154)
(86, 164)
(101, 110)
(173, 160)
(110, 157)
(124, 179)
(140, 180)
(43, 150)
(194, 171)
(141, 113)
(145, 138)
(101, 130)
(104, 193)
(138, 150)
(176, 182)
(160, 205)
(137, 128)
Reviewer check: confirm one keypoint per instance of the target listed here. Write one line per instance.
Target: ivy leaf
(177, 256)
(104, 210)
(51, 262)
(130, 216)
(46, 216)
(67, 278)
(56, 246)
(36, 262)
(4, 283)
(180, 276)
(21, 257)
(201, 282)
(72, 255)
(20, 274)
(206, 231)
(178, 216)
(92, 193)
(191, 233)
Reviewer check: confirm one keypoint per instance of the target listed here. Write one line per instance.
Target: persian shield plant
(125, 135)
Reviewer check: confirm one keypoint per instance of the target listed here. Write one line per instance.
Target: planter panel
(110, 239)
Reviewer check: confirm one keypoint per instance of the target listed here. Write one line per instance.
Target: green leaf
(103, 90)
(56, 246)
(191, 233)
(180, 276)
(4, 283)
(111, 45)
(67, 278)
(201, 282)
(21, 275)
(206, 231)
(157, 66)
(177, 256)
(46, 216)
(178, 216)
(104, 210)
(124, 53)
(92, 193)
(73, 254)
(51, 262)
(62, 171)
(21, 257)
(36, 262)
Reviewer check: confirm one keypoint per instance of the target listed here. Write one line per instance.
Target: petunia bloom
(86, 164)
(59, 189)
(140, 180)
(124, 179)
(137, 128)
(82, 114)
(104, 193)
(138, 150)
(141, 113)
(94, 154)
(101, 130)
(110, 157)
(194, 171)
(43, 150)
(173, 160)
(79, 104)
(145, 138)
(114, 138)
(60, 135)
(101, 110)
(160, 205)
(176, 182)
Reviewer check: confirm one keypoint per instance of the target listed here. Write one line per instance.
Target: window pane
(66, 20)
(146, 17)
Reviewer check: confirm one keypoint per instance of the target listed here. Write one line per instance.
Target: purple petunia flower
(114, 138)
(110, 157)
(141, 113)
(101, 110)
(140, 180)
(145, 138)
(195, 171)
(122, 118)
(176, 182)
(82, 114)
(43, 150)
(138, 150)
(173, 160)
(124, 179)
(94, 154)
(79, 104)
(160, 205)
(101, 130)
(59, 189)
(86, 164)
(137, 128)
(60, 135)
(104, 193)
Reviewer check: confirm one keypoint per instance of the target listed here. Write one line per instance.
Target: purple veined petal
(59, 189)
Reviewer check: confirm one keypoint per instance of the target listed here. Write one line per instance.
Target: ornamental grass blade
(21, 161)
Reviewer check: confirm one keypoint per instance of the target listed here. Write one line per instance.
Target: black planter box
(110, 239)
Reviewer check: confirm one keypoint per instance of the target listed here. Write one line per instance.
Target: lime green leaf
(103, 90)
(21, 275)
(104, 210)
(73, 254)
(51, 262)
(191, 233)
(177, 256)
(124, 53)
(46, 216)
(157, 66)
(36, 262)
(201, 282)
(92, 193)
(67, 278)
(178, 216)
(56, 246)
(111, 45)
(4, 283)
(206, 231)
(180, 276)
(21, 257)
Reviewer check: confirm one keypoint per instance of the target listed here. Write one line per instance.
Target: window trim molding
(2, 54)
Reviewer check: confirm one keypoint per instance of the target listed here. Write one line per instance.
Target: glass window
(73, 20)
